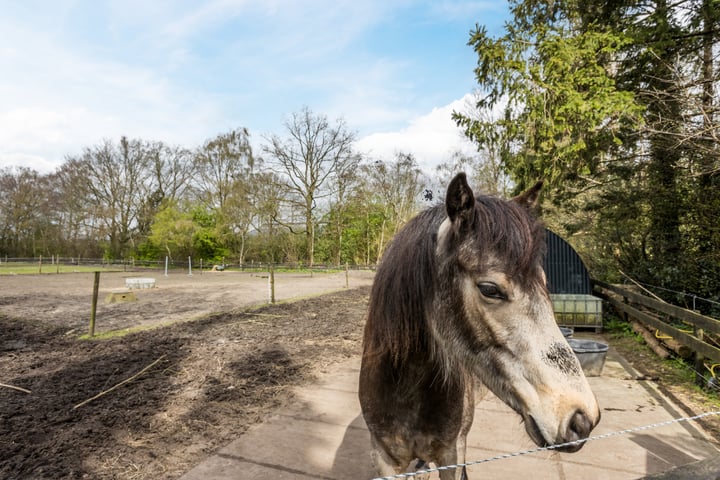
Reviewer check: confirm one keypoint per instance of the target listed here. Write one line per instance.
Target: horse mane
(407, 278)
(403, 287)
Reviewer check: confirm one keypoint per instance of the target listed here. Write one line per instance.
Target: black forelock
(407, 278)
(512, 235)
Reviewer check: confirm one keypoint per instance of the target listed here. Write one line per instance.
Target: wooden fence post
(624, 314)
(96, 289)
(699, 360)
(347, 275)
(271, 284)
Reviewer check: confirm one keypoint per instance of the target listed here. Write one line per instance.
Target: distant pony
(461, 295)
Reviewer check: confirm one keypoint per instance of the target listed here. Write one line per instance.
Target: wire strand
(551, 447)
(692, 295)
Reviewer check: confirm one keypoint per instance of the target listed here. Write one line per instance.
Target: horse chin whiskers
(533, 429)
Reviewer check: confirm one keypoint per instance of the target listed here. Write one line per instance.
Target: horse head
(492, 315)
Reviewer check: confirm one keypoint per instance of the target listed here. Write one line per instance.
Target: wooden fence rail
(630, 303)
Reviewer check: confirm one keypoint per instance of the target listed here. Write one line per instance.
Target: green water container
(573, 310)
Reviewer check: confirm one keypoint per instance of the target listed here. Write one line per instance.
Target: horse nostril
(579, 427)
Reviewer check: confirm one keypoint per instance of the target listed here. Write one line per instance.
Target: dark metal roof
(565, 270)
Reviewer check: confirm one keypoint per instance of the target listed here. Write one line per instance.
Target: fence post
(699, 360)
(96, 288)
(166, 265)
(347, 275)
(189, 266)
(271, 284)
(40, 263)
(624, 314)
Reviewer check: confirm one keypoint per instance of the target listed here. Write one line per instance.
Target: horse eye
(490, 290)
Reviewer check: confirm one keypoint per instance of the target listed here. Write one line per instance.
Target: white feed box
(139, 283)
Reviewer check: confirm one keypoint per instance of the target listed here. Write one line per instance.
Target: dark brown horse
(461, 295)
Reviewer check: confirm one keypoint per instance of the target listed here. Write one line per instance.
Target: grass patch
(304, 270)
(48, 268)
(110, 334)
(34, 269)
(674, 377)
(617, 327)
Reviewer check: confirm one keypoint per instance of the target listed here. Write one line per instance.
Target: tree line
(307, 197)
(615, 105)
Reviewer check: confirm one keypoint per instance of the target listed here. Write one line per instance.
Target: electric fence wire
(551, 447)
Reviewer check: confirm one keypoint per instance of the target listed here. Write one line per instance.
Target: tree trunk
(664, 114)
(310, 232)
(381, 243)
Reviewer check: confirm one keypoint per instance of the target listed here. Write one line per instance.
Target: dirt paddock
(65, 300)
(194, 385)
(154, 403)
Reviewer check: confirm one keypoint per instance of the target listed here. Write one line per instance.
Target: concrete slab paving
(322, 436)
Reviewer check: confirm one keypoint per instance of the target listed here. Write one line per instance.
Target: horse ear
(460, 201)
(530, 198)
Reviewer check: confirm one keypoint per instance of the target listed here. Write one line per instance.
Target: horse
(460, 305)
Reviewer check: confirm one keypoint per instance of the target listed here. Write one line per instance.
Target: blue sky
(77, 72)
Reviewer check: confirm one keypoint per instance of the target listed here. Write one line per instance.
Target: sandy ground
(65, 300)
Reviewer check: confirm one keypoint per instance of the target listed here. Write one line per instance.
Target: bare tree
(74, 209)
(172, 170)
(238, 213)
(115, 179)
(268, 195)
(225, 171)
(485, 167)
(346, 182)
(221, 163)
(21, 197)
(397, 185)
(484, 170)
(309, 157)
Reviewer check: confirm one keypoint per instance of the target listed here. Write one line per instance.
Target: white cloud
(55, 100)
(36, 162)
(33, 136)
(432, 138)
(182, 72)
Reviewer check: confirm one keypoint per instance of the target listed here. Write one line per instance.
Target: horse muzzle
(572, 437)
(577, 431)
